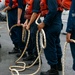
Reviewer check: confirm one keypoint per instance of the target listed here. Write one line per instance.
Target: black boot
(15, 50)
(29, 58)
(59, 67)
(52, 71)
(19, 54)
(0, 45)
(37, 62)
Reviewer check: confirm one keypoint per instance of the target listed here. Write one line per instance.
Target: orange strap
(29, 7)
(66, 4)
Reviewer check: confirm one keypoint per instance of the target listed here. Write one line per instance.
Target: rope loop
(64, 55)
(39, 50)
(23, 31)
(42, 35)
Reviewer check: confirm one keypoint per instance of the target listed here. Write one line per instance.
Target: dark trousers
(16, 33)
(72, 46)
(32, 42)
(53, 48)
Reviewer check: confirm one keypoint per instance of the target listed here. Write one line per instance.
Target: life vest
(66, 4)
(7, 2)
(15, 3)
(44, 7)
(25, 1)
(28, 9)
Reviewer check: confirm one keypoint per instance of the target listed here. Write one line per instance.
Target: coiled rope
(21, 68)
(63, 58)
(9, 30)
(23, 31)
(43, 41)
(42, 35)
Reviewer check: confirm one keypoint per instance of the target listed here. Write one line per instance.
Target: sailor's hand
(28, 27)
(18, 23)
(68, 37)
(3, 10)
(41, 26)
(25, 24)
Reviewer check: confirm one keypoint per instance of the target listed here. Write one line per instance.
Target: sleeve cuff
(20, 7)
(36, 11)
(10, 5)
(68, 30)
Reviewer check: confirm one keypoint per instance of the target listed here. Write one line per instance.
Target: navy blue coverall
(71, 29)
(52, 29)
(34, 29)
(32, 42)
(17, 31)
(31, 49)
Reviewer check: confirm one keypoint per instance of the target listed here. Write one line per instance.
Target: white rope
(42, 35)
(23, 31)
(22, 68)
(23, 34)
(7, 21)
(14, 70)
(63, 58)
